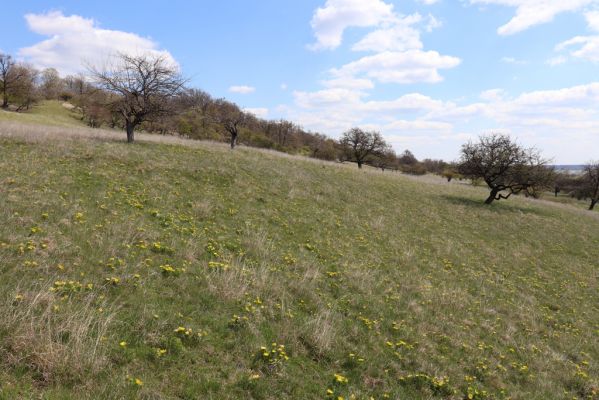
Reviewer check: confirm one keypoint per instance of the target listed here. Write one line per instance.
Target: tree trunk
(130, 126)
(233, 140)
(360, 164)
(593, 202)
(4, 98)
(492, 196)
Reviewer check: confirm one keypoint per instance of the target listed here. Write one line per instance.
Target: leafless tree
(9, 77)
(505, 166)
(591, 182)
(141, 86)
(359, 145)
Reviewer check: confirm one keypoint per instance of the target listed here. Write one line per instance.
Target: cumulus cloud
(74, 41)
(407, 67)
(400, 36)
(530, 13)
(259, 112)
(330, 22)
(583, 47)
(395, 41)
(242, 89)
(563, 122)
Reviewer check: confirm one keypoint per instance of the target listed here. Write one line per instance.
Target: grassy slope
(47, 113)
(393, 283)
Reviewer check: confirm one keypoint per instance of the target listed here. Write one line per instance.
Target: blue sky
(429, 74)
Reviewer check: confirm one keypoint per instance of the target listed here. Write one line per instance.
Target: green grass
(47, 112)
(405, 288)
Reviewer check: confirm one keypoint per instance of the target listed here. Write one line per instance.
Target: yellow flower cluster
(276, 355)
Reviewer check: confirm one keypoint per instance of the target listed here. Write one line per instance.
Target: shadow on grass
(496, 206)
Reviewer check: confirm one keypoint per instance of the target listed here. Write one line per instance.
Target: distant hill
(574, 169)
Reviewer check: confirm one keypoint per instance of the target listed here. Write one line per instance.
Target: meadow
(176, 270)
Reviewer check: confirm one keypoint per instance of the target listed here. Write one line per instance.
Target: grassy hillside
(163, 271)
(49, 112)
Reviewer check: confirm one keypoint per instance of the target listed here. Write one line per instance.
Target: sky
(428, 74)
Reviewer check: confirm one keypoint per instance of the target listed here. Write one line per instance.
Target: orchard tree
(359, 145)
(230, 116)
(10, 76)
(24, 92)
(505, 166)
(141, 88)
(591, 182)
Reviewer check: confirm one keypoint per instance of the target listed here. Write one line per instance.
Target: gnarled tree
(360, 145)
(141, 87)
(505, 166)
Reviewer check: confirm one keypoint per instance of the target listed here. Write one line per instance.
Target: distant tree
(359, 145)
(141, 87)
(591, 182)
(9, 77)
(505, 166)
(449, 173)
(435, 166)
(385, 159)
(407, 158)
(24, 91)
(51, 84)
(230, 117)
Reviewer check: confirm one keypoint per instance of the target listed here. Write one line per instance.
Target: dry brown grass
(57, 348)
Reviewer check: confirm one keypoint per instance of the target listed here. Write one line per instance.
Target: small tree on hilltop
(505, 166)
(141, 88)
(591, 182)
(359, 145)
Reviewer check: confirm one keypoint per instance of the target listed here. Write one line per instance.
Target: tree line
(147, 93)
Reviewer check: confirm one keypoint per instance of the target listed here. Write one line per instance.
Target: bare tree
(359, 145)
(505, 166)
(229, 116)
(141, 87)
(591, 182)
(9, 76)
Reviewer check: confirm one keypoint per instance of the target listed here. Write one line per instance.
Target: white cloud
(75, 41)
(558, 60)
(400, 36)
(417, 125)
(283, 86)
(586, 47)
(530, 13)
(513, 61)
(407, 67)
(349, 83)
(563, 122)
(432, 23)
(428, 2)
(259, 112)
(329, 22)
(242, 89)
(592, 18)
(493, 94)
